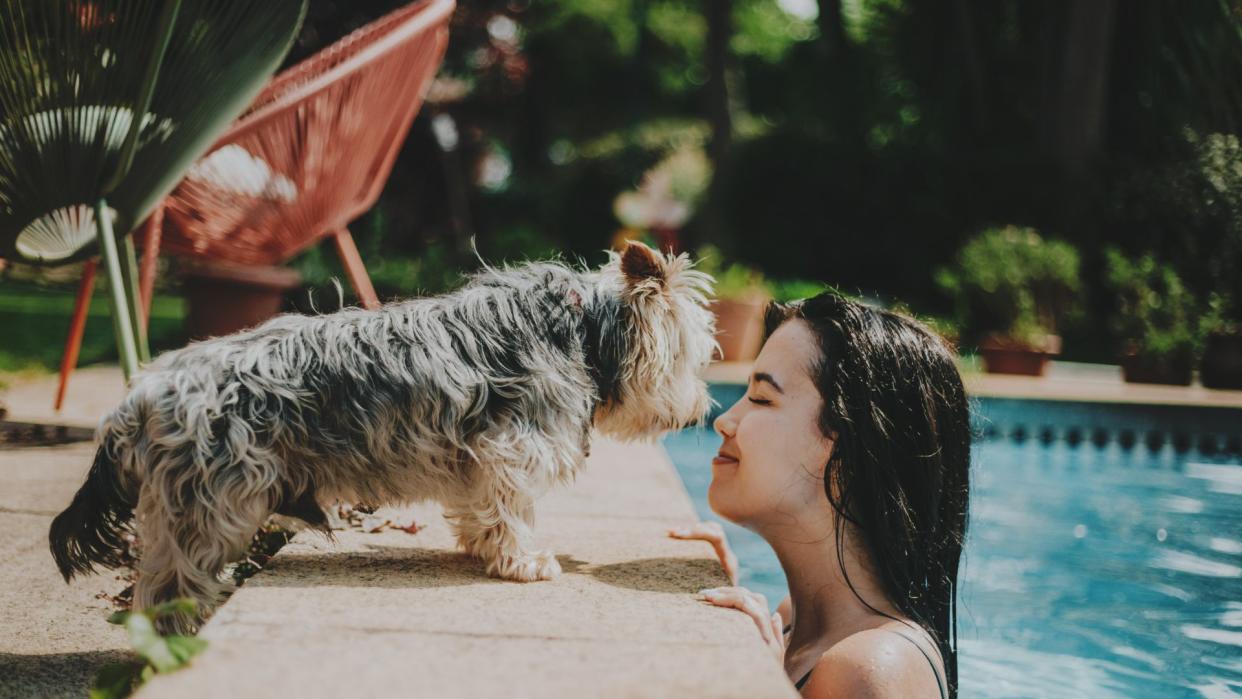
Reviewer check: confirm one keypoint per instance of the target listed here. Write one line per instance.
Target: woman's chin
(718, 500)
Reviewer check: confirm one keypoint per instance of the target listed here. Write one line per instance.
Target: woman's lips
(722, 460)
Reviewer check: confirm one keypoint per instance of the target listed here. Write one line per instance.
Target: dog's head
(656, 335)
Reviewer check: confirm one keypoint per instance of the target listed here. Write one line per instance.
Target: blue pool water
(1090, 570)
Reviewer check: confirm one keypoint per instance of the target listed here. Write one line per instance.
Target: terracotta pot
(1170, 371)
(1222, 362)
(1005, 355)
(739, 327)
(223, 298)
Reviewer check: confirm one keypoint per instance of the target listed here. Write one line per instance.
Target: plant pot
(223, 298)
(739, 327)
(1222, 361)
(1144, 368)
(1005, 355)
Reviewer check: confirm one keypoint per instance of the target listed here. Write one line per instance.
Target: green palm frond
(72, 74)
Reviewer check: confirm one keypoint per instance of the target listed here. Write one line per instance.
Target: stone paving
(53, 636)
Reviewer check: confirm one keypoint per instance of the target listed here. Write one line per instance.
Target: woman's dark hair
(900, 467)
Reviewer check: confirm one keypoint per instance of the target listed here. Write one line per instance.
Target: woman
(850, 454)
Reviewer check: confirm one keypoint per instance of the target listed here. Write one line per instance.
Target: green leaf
(181, 605)
(218, 58)
(184, 648)
(149, 644)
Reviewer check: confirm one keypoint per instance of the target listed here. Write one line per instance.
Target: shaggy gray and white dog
(481, 399)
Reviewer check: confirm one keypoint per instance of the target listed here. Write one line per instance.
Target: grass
(34, 321)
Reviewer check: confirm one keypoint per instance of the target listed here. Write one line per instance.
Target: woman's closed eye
(759, 401)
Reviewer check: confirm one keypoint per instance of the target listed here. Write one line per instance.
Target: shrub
(1012, 282)
(1157, 316)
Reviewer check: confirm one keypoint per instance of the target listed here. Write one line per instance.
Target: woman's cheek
(754, 436)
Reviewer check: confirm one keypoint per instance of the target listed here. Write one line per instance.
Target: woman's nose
(726, 423)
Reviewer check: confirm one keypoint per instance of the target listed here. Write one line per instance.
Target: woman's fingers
(753, 604)
(712, 533)
(707, 531)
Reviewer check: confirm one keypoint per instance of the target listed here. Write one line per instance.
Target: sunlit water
(1088, 571)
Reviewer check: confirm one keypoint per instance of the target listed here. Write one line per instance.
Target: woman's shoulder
(892, 660)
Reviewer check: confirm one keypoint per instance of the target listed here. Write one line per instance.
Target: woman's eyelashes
(759, 401)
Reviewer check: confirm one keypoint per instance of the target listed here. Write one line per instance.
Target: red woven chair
(308, 157)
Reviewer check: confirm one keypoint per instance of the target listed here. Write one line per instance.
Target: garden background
(859, 144)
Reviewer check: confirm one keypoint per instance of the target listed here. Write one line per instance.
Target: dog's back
(318, 402)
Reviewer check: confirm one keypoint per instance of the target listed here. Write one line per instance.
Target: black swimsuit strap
(932, 663)
(807, 676)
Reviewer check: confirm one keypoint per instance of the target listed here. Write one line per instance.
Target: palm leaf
(71, 81)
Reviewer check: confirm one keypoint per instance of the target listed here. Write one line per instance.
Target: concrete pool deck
(396, 613)
(53, 636)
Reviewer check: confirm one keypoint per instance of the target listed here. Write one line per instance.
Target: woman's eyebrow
(764, 376)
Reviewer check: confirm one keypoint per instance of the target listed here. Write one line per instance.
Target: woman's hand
(755, 606)
(712, 533)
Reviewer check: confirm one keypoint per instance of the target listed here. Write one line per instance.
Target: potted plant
(1221, 366)
(1010, 287)
(741, 297)
(222, 297)
(1196, 198)
(1155, 320)
(1219, 157)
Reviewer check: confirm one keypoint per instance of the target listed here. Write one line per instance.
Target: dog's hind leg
(183, 553)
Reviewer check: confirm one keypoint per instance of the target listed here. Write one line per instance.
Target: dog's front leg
(498, 528)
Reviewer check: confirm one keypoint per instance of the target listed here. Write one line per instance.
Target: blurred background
(1011, 170)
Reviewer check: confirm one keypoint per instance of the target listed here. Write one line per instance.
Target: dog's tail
(92, 529)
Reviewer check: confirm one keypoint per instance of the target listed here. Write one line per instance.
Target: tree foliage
(867, 141)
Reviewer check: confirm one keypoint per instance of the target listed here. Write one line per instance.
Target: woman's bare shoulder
(876, 663)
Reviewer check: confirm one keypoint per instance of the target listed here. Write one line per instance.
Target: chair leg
(122, 323)
(355, 270)
(153, 229)
(129, 273)
(77, 328)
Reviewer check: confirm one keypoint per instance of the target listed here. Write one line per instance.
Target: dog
(481, 399)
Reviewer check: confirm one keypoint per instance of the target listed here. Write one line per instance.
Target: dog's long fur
(480, 399)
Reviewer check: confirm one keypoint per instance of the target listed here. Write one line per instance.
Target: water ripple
(1221, 636)
(1195, 565)
(1223, 478)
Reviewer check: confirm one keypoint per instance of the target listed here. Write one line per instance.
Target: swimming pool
(1104, 555)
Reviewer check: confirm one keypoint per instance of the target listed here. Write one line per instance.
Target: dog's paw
(540, 565)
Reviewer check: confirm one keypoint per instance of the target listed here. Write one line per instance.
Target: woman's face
(772, 459)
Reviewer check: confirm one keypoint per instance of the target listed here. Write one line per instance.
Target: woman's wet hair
(899, 472)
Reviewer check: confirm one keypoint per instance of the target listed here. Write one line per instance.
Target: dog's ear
(640, 264)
